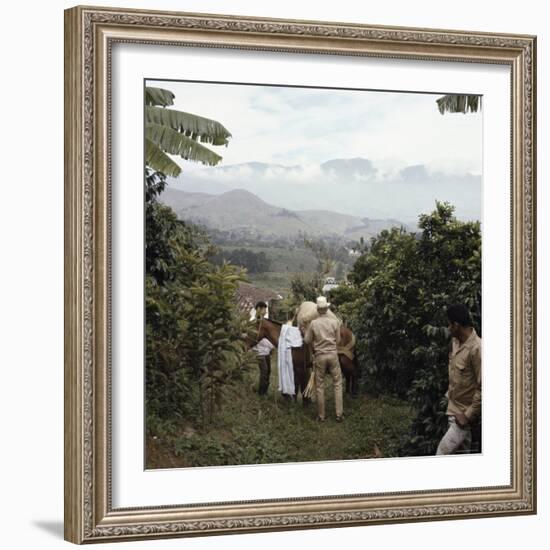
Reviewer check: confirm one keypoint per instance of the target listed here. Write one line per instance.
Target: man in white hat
(324, 335)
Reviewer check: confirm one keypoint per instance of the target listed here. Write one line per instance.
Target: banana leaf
(158, 96)
(159, 161)
(174, 143)
(193, 126)
(457, 103)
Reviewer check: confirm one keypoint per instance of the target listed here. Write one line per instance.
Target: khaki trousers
(323, 363)
(456, 437)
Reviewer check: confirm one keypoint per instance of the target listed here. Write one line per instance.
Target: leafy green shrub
(397, 310)
(240, 447)
(305, 288)
(193, 344)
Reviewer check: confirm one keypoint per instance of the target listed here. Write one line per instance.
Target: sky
(415, 154)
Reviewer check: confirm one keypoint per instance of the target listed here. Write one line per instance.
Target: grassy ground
(253, 429)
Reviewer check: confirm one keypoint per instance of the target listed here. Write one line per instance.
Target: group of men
(464, 370)
(323, 335)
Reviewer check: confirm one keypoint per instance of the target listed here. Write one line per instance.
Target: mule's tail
(309, 392)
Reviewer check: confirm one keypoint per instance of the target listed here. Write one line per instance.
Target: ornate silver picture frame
(90, 512)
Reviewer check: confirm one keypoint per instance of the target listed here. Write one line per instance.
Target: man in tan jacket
(323, 334)
(464, 393)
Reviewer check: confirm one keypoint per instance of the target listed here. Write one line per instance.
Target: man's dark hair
(459, 313)
(260, 304)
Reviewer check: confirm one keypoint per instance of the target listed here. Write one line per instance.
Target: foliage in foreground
(172, 132)
(193, 346)
(396, 307)
(254, 429)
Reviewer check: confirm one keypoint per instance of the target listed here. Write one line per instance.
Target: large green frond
(158, 96)
(174, 143)
(159, 161)
(457, 103)
(193, 126)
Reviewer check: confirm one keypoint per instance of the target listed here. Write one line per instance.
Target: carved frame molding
(89, 35)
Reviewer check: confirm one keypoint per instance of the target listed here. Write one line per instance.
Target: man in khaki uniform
(464, 393)
(324, 335)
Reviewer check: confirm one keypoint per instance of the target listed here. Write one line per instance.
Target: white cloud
(285, 127)
(402, 193)
(302, 126)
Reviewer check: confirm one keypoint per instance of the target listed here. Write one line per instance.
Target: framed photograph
(300, 274)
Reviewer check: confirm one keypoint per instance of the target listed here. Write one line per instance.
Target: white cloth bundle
(289, 338)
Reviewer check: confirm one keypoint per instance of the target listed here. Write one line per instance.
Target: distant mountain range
(245, 214)
(356, 186)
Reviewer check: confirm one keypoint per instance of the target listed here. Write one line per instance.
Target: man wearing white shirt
(263, 350)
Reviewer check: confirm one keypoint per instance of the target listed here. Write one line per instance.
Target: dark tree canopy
(401, 287)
